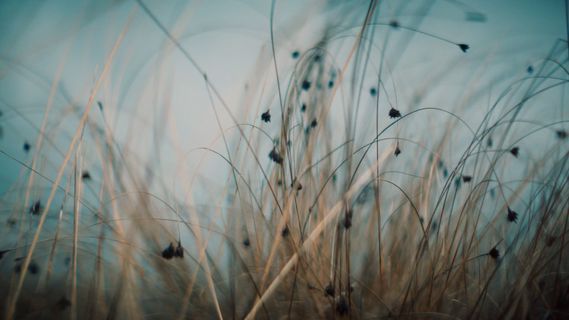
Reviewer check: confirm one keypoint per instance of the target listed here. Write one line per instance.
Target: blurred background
(158, 108)
(133, 113)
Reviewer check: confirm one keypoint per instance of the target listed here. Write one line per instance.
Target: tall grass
(338, 190)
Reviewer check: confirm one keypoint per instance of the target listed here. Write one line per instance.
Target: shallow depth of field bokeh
(274, 159)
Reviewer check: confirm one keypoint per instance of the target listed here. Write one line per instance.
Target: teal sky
(70, 40)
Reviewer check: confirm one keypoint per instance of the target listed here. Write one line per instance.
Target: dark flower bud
(36, 208)
(33, 268)
(63, 303)
(266, 116)
(169, 252)
(394, 24)
(512, 215)
(179, 252)
(342, 306)
(494, 253)
(397, 151)
(394, 113)
(86, 175)
(463, 47)
(329, 290)
(275, 156)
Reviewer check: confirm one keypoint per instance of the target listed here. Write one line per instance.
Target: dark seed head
(512, 215)
(463, 47)
(330, 84)
(298, 185)
(394, 24)
(373, 92)
(489, 142)
(561, 134)
(329, 290)
(303, 107)
(11, 222)
(306, 85)
(179, 251)
(63, 303)
(86, 175)
(33, 268)
(35, 208)
(314, 123)
(347, 222)
(364, 195)
(342, 306)
(169, 252)
(295, 54)
(285, 232)
(275, 156)
(266, 116)
(246, 242)
(397, 151)
(434, 226)
(27, 146)
(515, 151)
(394, 113)
(530, 69)
(494, 253)
(466, 178)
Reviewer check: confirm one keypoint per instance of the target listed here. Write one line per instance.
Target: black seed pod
(275, 156)
(342, 306)
(329, 290)
(169, 252)
(463, 47)
(394, 113)
(494, 253)
(512, 215)
(266, 116)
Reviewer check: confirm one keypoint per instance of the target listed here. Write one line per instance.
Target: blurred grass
(348, 202)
